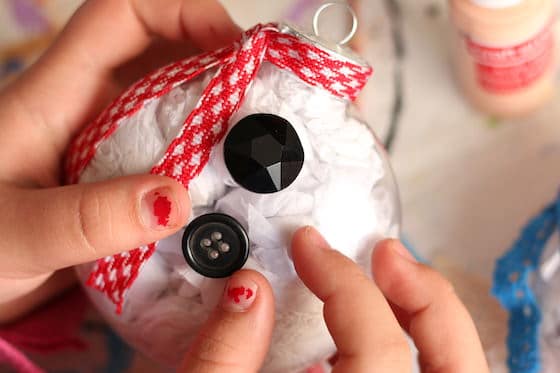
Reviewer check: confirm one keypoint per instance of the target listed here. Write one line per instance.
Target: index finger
(359, 319)
(102, 35)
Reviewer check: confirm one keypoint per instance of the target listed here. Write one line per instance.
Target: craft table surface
(468, 183)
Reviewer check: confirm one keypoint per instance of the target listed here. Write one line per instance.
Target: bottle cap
(497, 3)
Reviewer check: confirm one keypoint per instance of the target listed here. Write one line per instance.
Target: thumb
(81, 223)
(237, 335)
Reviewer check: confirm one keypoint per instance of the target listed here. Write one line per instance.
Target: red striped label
(507, 69)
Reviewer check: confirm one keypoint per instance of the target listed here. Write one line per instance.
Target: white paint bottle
(504, 52)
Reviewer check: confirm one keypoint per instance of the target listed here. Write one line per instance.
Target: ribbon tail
(512, 288)
(114, 275)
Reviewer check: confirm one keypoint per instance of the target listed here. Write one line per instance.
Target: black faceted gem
(205, 239)
(263, 153)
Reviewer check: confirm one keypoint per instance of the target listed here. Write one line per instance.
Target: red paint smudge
(249, 294)
(235, 293)
(162, 209)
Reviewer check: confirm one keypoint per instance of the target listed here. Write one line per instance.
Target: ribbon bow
(207, 124)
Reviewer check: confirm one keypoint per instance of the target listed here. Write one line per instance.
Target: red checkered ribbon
(207, 124)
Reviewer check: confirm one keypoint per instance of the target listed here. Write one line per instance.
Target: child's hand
(366, 321)
(44, 227)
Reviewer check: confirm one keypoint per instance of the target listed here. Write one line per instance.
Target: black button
(215, 245)
(263, 153)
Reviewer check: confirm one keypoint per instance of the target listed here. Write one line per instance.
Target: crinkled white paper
(345, 189)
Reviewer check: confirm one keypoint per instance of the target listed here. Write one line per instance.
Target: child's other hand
(45, 227)
(365, 319)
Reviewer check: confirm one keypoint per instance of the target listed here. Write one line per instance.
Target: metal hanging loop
(347, 6)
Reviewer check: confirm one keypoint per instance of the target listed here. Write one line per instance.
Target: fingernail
(239, 295)
(316, 239)
(403, 252)
(159, 209)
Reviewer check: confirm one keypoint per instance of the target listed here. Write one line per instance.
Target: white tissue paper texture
(345, 189)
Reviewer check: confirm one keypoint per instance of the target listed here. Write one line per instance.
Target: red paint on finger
(248, 293)
(235, 293)
(239, 296)
(162, 209)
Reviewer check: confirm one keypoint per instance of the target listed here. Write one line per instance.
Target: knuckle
(89, 217)
(209, 354)
(132, 215)
(396, 346)
(393, 348)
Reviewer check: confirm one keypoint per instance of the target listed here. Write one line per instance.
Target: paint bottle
(504, 53)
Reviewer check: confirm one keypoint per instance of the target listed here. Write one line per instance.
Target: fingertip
(309, 237)
(403, 280)
(164, 204)
(391, 258)
(262, 291)
(249, 292)
(299, 236)
(397, 274)
(308, 249)
(387, 244)
(384, 250)
(391, 247)
(237, 335)
(182, 198)
(130, 211)
(299, 244)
